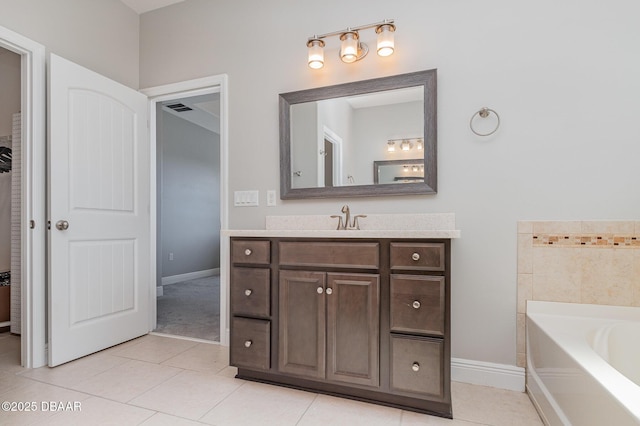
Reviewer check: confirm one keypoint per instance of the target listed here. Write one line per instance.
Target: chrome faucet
(346, 224)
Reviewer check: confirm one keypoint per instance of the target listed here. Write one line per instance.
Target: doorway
(32, 218)
(174, 93)
(10, 192)
(188, 214)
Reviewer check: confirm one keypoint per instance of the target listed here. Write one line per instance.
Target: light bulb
(386, 43)
(349, 47)
(316, 53)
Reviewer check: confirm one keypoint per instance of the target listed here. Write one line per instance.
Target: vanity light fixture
(351, 48)
(391, 146)
(405, 145)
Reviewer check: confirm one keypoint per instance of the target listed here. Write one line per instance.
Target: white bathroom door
(99, 256)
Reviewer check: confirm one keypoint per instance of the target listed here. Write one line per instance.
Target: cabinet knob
(415, 256)
(329, 291)
(416, 304)
(247, 252)
(415, 366)
(248, 292)
(248, 343)
(320, 290)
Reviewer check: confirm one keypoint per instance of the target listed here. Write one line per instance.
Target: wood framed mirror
(330, 136)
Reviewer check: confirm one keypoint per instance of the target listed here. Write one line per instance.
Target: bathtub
(583, 363)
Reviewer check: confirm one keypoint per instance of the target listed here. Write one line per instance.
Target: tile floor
(157, 380)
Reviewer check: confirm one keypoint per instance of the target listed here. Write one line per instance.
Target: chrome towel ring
(484, 113)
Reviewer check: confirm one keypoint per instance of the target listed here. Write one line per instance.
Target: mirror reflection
(340, 141)
(336, 141)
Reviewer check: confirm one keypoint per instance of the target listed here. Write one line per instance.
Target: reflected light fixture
(351, 48)
(405, 144)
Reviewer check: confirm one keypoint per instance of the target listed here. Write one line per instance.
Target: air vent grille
(179, 107)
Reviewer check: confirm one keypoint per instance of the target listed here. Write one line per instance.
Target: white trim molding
(190, 276)
(488, 374)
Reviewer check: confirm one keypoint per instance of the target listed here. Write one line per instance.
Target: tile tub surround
(594, 262)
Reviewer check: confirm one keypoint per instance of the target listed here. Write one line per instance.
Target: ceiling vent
(179, 107)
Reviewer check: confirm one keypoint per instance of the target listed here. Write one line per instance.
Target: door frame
(33, 206)
(174, 91)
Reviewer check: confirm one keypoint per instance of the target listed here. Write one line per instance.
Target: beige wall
(101, 35)
(577, 262)
(562, 76)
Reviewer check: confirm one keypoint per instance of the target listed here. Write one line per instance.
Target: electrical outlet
(271, 198)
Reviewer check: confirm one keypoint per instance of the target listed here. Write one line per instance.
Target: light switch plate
(245, 198)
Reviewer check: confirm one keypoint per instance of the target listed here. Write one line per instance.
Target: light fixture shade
(349, 47)
(405, 145)
(316, 53)
(386, 43)
(391, 146)
(419, 144)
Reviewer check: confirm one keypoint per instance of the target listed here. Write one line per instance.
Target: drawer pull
(415, 256)
(320, 290)
(329, 291)
(247, 343)
(248, 292)
(415, 367)
(248, 252)
(416, 304)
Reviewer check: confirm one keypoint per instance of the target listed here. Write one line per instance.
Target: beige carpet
(191, 309)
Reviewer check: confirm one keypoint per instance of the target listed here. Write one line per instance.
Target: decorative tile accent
(588, 240)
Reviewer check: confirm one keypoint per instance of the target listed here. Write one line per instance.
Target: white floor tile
(126, 381)
(190, 394)
(259, 404)
(94, 411)
(155, 380)
(339, 411)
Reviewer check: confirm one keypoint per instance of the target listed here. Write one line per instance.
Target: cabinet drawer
(417, 365)
(417, 256)
(250, 343)
(417, 304)
(250, 251)
(336, 254)
(251, 291)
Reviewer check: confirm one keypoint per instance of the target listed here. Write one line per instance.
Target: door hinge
(32, 224)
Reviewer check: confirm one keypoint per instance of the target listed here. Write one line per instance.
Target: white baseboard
(488, 374)
(190, 276)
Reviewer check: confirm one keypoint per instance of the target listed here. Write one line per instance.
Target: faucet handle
(356, 225)
(340, 224)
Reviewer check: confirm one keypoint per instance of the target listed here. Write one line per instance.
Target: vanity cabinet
(329, 326)
(366, 318)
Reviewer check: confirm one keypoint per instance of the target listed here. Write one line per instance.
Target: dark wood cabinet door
(353, 328)
(301, 347)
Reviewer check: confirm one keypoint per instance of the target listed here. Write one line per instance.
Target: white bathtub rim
(571, 323)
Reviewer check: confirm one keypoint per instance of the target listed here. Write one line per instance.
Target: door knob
(62, 225)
